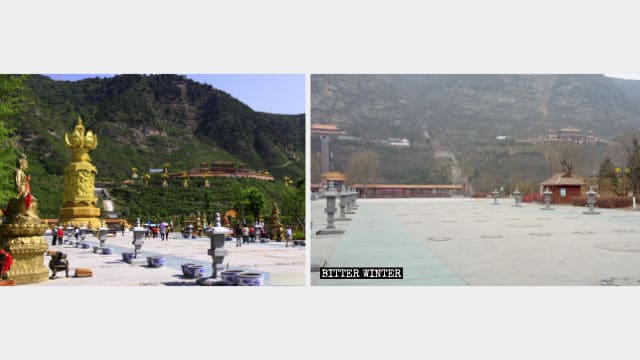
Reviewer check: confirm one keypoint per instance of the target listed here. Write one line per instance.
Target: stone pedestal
(80, 215)
(27, 247)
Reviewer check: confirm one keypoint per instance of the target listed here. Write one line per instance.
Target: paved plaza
(281, 265)
(465, 241)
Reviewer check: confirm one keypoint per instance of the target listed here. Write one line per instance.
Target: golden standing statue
(276, 231)
(21, 235)
(79, 202)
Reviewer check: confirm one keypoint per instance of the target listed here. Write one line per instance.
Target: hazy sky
(624, 76)
(279, 94)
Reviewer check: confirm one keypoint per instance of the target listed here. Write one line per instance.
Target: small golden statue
(164, 177)
(23, 208)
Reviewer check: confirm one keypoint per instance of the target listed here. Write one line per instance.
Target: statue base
(27, 247)
(89, 216)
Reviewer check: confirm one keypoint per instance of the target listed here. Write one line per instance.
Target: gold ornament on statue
(81, 142)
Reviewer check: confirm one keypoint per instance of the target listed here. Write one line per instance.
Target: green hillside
(144, 121)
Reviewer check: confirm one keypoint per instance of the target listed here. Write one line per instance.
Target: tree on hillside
(292, 207)
(631, 143)
(565, 157)
(363, 167)
(607, 178)
(255, 201)
(10, 105)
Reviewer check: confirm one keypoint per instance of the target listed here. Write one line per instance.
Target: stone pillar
(324, 154)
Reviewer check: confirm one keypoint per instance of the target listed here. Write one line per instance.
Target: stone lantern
(495, 194)
(547, 199)
(343, 205)
(138, 236)
(591, 202)
(190, 231)
(350, 199)
(517, 195)
(330, 195)
(102, 234)
(217, 236)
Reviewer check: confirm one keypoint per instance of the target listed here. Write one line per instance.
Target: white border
(292, 36)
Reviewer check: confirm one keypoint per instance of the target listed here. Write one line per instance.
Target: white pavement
(488, 244)
(283, 266)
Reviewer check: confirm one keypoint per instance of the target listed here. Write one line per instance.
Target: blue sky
(279, 94)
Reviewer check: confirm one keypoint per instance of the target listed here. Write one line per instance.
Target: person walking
(161, 231)
(245, 234)
(60, 235)
(54, 234)
(238, 233)
(166, 233)
(76, 232)
(289, 236)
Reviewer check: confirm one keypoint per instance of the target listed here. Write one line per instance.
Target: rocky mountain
(454, 108)
(146, 120)
(464, 114)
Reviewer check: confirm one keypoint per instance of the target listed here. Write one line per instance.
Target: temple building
(564, 187)
(325, 132)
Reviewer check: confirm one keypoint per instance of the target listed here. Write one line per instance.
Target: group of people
(245, 234)
(58, 234)
(160, 230)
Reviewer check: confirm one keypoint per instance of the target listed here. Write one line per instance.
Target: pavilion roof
(564, 179)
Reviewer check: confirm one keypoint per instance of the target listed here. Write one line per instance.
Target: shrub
(298, 235)
(613, 202)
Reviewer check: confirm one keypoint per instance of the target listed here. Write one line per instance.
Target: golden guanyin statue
(21, 234)
(79, 202)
